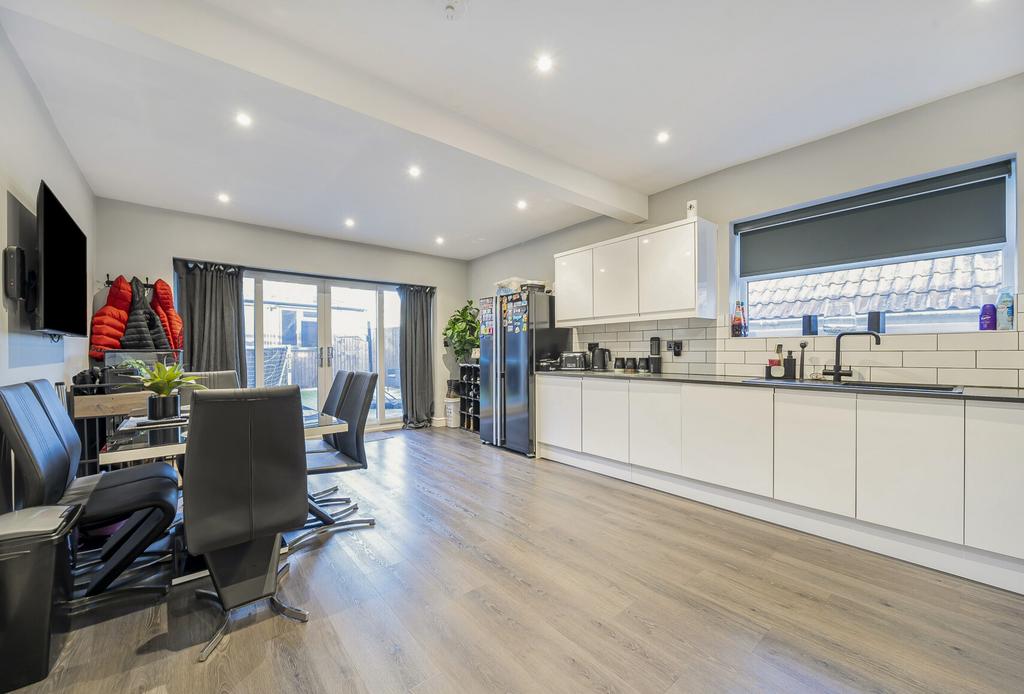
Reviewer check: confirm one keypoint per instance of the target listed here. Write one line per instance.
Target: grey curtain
(210, 303)
(415, 349)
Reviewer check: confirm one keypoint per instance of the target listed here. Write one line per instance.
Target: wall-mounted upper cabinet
(615, 279)
(574, 282)
(665, 272)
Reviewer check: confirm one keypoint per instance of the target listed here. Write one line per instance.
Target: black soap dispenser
(789, 365)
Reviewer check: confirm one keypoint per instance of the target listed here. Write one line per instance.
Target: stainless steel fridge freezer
(515, 331)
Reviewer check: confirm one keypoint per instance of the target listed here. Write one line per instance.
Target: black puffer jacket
(144, 329)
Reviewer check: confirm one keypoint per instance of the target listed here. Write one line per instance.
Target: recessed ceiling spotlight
(521, 205)
(243, 119)
(439, 241)
(349, 222)
(224, 198)
(414, 171)
(662, 137)
(544, 62)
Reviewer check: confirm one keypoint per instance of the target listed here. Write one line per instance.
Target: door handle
(330, 355)
(320, 352)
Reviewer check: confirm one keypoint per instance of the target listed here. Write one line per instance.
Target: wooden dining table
(138, 439)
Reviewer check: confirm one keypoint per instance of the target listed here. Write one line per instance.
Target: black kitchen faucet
(838, 371)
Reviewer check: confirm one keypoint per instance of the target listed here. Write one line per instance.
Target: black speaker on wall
(14, 273)
(876, 321)
(810, 325)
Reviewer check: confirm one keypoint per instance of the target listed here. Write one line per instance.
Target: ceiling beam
(211, 33)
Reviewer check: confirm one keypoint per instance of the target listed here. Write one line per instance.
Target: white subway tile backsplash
(689, 334)
(870, 358)
(854, 342)
(891, 343)
(708, 369)
(706, 345)
(1009, 359)
(975, 358)
(1001, 378)
(949, 360)
(748, 370)
(903, 375)
(746, 344)
(992, 340)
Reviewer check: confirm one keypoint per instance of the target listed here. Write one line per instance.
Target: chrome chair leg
(325, 529)
(285, 610)
(324, 492)
(215, 640)
(334, 500)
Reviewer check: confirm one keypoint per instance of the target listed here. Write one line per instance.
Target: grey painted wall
(30, 150)
(967, 127)
(143, 241)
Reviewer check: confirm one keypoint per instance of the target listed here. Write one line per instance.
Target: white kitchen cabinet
(616, 284)
(560, 411)
(727, 436)
(994, 477)
(668, 269)
(665, 272)
(910, 464)
(574, 286)
(606, 418)
(816, 450)
(655, 425)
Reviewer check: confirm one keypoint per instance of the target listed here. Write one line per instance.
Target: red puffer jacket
(109, 322)
(163, 305)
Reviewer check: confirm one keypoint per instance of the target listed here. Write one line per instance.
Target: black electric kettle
(600, 359)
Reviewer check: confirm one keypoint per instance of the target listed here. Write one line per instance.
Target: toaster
(573, 361)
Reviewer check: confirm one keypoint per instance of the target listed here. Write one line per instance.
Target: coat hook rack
(109, 282)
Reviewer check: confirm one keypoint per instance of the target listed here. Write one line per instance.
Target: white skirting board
(977, 565)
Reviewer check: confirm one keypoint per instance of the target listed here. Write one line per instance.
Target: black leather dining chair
(339, 389)
(213, 380)
(350, 454)
(143, 499)
(246, 484)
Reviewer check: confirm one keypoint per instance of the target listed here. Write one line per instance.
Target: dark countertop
(968, 392)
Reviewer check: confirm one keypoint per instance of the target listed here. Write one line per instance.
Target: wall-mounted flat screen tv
(62, 306)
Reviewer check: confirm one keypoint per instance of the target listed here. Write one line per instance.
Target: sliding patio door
(303, 331)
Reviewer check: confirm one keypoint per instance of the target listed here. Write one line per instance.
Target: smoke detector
(454, 9)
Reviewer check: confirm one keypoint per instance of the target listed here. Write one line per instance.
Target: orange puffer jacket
(109, 322)
(163, 305)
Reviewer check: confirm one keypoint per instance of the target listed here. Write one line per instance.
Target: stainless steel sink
(861, 386)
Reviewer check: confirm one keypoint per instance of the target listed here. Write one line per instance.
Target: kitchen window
(929, 253)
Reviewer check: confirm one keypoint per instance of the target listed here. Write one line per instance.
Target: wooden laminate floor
(489, 572)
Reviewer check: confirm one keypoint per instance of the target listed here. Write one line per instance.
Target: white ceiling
(346, 95)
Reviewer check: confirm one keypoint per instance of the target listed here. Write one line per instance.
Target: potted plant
(462, 333)
(163, 381)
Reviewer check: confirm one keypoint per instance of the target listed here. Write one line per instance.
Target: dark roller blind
(959, 210)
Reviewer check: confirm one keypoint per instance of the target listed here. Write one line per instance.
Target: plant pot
(164, 406)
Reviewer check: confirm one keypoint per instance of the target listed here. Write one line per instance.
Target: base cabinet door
(606, 418)
(727, 436)
(655, 425)
(994, 478)
(910, 464)
(560, 412)
(816, 450)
